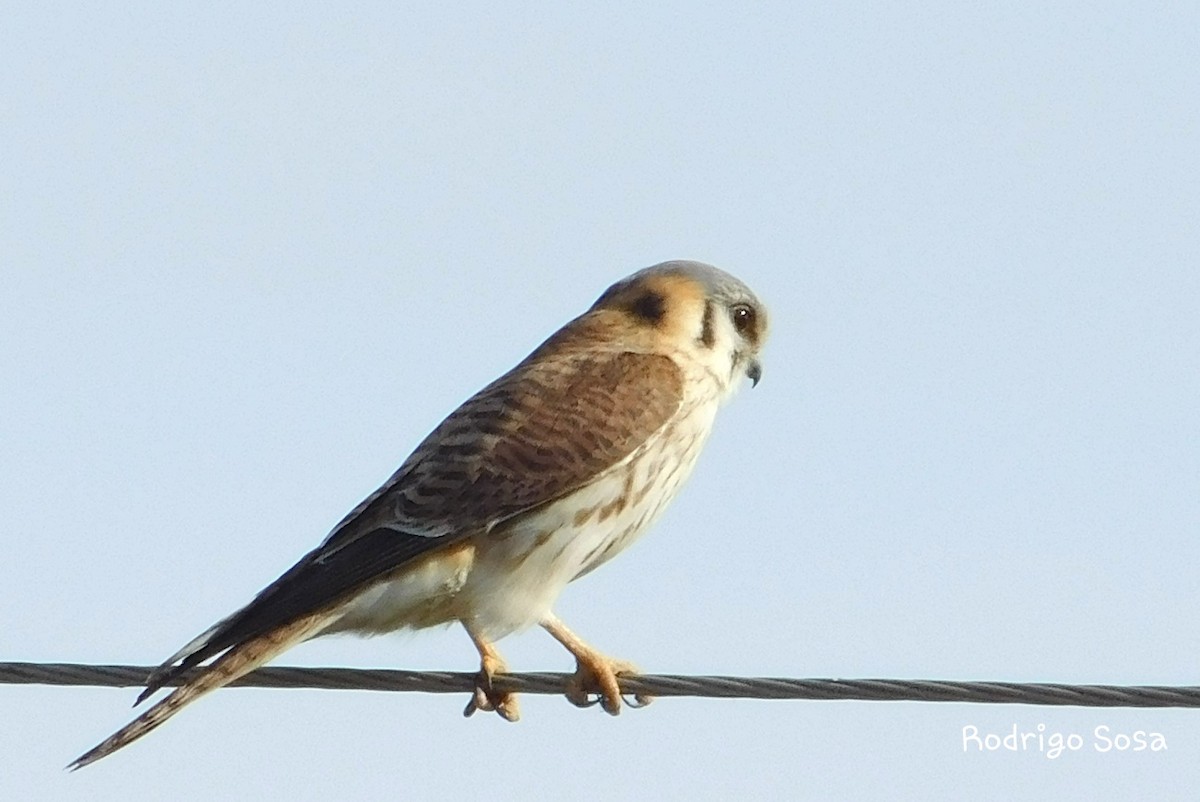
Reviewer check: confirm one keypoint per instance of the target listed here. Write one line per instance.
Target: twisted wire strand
(866, 690)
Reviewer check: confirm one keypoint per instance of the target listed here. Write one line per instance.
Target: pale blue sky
(251, 257)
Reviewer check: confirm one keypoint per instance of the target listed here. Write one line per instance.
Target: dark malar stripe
(708, 334)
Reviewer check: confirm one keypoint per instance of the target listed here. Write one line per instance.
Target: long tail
(238, 661)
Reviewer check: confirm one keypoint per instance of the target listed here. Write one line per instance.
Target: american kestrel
(537, 479)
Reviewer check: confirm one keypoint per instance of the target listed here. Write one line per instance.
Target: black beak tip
(754, 372)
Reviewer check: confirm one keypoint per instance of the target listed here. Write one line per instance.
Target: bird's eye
(743, 318)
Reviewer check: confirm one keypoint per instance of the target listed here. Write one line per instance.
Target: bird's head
(698, 309)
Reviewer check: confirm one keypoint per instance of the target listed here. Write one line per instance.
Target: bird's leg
(486, 697)
(594, 673)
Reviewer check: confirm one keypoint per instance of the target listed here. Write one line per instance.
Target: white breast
(520, 570)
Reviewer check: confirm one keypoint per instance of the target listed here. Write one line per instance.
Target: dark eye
(743, 317)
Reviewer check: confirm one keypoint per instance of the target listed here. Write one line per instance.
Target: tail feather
(190, 655)
(237, 662)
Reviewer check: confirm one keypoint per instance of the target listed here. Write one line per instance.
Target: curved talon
(479, 702)
(579, 695)
(507, 708)
(637, 701)
(586, 700)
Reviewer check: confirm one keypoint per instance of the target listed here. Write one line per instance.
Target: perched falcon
(534, 481)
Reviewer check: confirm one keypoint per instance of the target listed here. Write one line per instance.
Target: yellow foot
(486, 697)
(597, 674)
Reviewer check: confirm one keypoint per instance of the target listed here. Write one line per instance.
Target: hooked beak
(754, 372)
